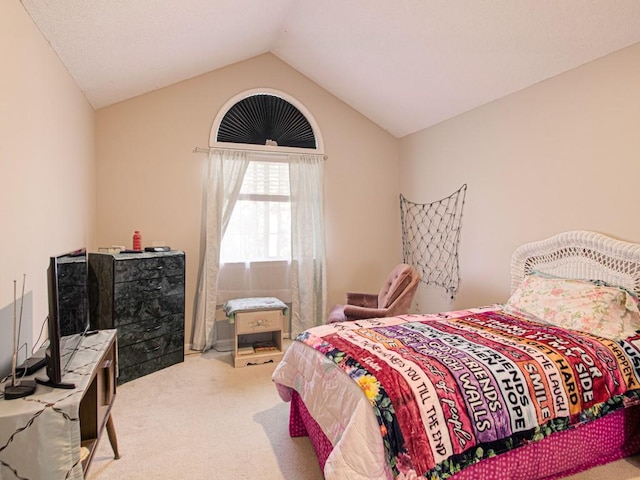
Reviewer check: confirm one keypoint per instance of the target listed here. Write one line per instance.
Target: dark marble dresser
(142, 296)
(73, 305)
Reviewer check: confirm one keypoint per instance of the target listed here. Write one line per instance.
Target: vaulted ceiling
(404, 64)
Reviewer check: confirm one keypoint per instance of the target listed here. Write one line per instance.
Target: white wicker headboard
(582, 255)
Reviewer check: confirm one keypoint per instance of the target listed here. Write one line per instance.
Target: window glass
(260, 225)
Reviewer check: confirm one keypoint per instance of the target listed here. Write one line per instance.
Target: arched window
(266, 120)
(270, 125)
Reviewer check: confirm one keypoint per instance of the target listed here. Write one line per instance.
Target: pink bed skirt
(610, 438)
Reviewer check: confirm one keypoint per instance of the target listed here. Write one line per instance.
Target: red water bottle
(137, 241)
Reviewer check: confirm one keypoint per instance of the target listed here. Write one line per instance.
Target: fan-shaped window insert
(266, 119)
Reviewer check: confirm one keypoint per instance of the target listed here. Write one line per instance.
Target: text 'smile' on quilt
(448, 392)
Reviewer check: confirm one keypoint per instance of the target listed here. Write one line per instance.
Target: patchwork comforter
(428, 395)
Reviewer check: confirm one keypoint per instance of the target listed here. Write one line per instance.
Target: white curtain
(308, 265)
(226, 171)
(254, 279)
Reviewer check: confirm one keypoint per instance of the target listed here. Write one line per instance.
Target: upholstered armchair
(394, 298)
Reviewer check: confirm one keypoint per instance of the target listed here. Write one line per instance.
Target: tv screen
(61, 348)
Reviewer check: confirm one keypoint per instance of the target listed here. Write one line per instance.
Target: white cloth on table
(40, 434)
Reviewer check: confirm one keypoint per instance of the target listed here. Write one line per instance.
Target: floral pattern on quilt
(477, 385)
(600, 309)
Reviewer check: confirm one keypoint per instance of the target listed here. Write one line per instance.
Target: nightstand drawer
(258, 321)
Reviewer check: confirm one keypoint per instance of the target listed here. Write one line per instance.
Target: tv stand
(57, 430)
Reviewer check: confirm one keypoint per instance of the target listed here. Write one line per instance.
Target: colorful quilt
(451, 389)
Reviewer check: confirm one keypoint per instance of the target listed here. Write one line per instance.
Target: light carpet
(205, 420)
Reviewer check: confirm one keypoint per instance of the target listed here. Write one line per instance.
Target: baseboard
(224, 345)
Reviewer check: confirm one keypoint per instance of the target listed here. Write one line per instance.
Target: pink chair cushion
(395, 284)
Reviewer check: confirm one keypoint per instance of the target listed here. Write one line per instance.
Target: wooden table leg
(113, 440)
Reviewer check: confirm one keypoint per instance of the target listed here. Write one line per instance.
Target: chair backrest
(402, 281)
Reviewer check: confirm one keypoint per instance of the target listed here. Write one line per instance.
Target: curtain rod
(254, 150)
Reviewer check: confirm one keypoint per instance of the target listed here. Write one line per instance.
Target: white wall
(47, 174)
(561, 155)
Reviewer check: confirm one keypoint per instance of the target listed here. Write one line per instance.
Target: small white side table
(258, 322)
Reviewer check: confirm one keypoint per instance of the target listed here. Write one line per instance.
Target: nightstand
(258, 337)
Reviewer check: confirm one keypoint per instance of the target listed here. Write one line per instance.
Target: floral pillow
(601, 310)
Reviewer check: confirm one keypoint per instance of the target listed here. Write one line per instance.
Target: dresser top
(131, 255)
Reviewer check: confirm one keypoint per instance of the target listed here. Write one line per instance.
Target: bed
(540, 387)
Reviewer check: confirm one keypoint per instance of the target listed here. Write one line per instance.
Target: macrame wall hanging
(430, 237)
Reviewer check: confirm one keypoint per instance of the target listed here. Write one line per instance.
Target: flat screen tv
(61, 349)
